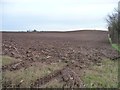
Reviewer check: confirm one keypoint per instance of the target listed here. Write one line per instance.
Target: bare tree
(113, 26)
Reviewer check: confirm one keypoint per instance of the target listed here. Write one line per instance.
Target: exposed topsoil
(77, 49)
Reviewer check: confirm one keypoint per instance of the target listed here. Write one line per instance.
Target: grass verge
(103, 76)
(115, 46)
(25, 77)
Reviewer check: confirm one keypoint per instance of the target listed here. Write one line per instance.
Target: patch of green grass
(103, 76)
(25, 77)
(8, 60)
(115, 46)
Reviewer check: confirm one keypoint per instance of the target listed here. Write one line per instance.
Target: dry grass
(25, 77)
(55, 83)
(8, 60)
(103, 76)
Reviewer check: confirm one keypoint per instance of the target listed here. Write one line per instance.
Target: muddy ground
(77, 49)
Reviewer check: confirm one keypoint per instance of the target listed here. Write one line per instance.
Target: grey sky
(55, 14)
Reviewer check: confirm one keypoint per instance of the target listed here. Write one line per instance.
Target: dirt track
(77, 49)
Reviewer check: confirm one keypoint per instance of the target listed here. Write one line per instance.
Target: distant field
(81, 59)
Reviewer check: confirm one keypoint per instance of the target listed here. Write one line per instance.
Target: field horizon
(56, 30)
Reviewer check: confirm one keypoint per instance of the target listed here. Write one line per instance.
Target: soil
(77, 49)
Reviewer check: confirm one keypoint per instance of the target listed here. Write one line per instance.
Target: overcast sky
(55, 14)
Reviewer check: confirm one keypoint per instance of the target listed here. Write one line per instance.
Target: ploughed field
(53, 59)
